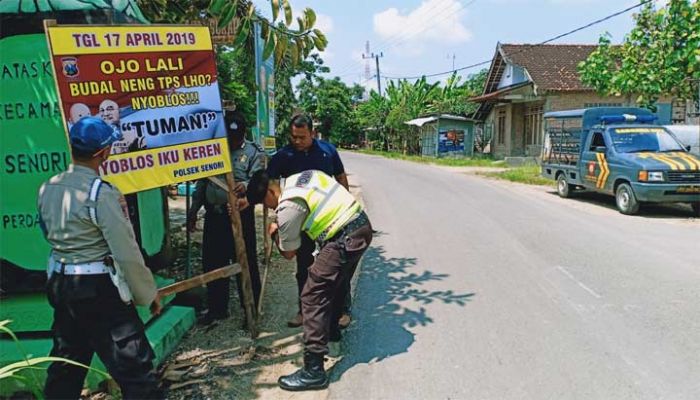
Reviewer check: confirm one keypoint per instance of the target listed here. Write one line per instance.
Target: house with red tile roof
(525, 81)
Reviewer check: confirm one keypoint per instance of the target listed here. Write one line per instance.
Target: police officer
(93, 246)
(307, 153)
(314, 204)
(217, 243)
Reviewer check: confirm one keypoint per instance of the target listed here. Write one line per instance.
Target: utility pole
(378, 75)
(453, 60)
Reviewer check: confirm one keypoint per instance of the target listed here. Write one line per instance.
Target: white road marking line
(586, 288)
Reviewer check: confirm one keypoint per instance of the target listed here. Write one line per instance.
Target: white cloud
(434, 21)
(324, 23)
(326, 55)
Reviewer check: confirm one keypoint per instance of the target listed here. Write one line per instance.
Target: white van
(689, 135)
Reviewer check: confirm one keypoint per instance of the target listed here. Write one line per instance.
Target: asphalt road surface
(483, 289)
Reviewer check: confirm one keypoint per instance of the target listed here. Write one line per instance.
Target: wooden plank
(200, 280)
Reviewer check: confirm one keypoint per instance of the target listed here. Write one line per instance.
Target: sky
(427, 36)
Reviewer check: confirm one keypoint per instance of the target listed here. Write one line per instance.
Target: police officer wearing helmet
(96, 274)
(314, 204)
(217, 243)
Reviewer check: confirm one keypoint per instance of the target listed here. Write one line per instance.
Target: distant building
(525, 81)
(445, 135)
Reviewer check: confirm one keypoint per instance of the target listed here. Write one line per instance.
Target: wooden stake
(248, 302)
(199, 280)
(267, 249)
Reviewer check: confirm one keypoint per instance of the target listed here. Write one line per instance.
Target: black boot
(311, 377)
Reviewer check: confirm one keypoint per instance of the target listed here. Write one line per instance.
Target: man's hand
(239, 189)
(272, 230)
(192, 223)
(241, 204)
(156, 306)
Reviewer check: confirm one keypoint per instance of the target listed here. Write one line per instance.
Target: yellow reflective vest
(330, 206)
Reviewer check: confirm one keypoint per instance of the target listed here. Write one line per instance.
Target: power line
(378, 74)
(406, 31)
(460, 7)
(540, 43)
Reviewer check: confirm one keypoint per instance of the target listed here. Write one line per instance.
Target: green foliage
(445, 161)
(331, 103)
(236, 74)
(286, 103)
(658, 57)
(280, 38)
(236, 63)
(383, 118)
(15, 371)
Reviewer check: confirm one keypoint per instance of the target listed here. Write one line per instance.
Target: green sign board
(265, 80)
(33, 145)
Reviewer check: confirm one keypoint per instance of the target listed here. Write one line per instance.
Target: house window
(501, 127)
(533, 124)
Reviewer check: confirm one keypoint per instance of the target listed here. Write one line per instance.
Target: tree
(236, 63)
(236, 74)
(285, 100)
(280, 38)
(658, 57)
(331, 103)
(453, 98)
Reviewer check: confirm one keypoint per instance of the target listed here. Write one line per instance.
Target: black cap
(235, 123)
(257, 187)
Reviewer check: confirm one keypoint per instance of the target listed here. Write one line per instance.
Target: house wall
(573, 100)
(429, 138)
(498, 149)
(512, 75)
(517, 132)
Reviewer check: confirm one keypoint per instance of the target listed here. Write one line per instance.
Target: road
(483, 289)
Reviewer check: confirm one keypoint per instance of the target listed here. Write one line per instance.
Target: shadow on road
(647, 210)
(380, 327)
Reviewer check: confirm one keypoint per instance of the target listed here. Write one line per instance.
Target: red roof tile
(551, 66)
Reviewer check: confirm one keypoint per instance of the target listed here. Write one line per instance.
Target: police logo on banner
(70, 67)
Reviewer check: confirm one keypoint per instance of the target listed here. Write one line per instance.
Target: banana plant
(23, 370)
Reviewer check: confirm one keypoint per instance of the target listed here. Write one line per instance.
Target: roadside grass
(527, 174)
(445, 161)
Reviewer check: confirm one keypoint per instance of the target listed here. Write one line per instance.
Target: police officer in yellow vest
(316, 204)
(96, 274)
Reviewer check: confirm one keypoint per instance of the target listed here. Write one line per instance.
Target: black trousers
(326, 288)
(218, 250)
(89, 317)
(304, 260)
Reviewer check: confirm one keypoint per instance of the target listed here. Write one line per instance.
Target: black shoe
(311, 377)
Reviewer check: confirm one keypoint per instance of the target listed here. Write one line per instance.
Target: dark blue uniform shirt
(321, 156)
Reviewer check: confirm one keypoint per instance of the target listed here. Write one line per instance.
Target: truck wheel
(564, 189)
(696, 208)
(625, 199)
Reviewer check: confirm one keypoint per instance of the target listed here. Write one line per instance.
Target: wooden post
(267, 251)
(248, 302)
